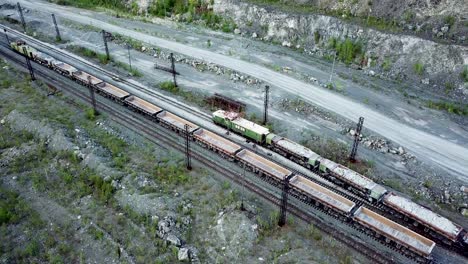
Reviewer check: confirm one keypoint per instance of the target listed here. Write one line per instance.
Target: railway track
(132, 122)
(331, 186)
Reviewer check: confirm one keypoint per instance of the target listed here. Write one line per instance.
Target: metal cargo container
(174, 122)
(424, 216)
(240, 125)
(112, 91)
(321, 194)
(216, 142)
(260, 164)
(142, 105)
(393, 231)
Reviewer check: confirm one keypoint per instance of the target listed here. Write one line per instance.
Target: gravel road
(446, 154)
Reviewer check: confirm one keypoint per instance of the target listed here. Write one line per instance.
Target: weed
(386, 65)
(450, 20)
(464, 74)
(459, 109)
(418, 68)
(90, 114)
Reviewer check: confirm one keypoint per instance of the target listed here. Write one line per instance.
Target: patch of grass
(450, 20)
(427, 184)
(132, 70)
(317, 37)
(189, 96)
(387, 65)
(89, 53)
(464, 74)
(90, 114)
(452, 108)
(346, 50)
(418, 68)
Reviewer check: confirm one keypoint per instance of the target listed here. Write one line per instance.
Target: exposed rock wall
(442, 63)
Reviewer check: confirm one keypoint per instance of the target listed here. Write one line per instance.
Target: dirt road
(432, 149)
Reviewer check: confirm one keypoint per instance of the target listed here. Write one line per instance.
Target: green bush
(316, 37)
(90, 114)
(418, 68)
(450, 20)
(464, 74)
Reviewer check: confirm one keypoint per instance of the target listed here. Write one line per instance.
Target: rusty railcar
(440, 226)
(407, 241)
(313, 193)
(214, 142)
(268, 170)
(142, 106)
(175, 122)
(110, 91)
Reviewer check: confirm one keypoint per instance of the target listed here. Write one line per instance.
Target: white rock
(352, 132)
(254, 35)
(371, 73)
(260, 258)
(286, 44)
(143, 48)
(183, 254)
(2, 121)
(78, 217)
(237, 31)
(425, 81)
(401, 150)
(171, 238)
(15, 177)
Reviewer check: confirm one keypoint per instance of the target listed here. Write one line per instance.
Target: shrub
(316, 37)
(464, 74)
(90, 114)
(418, 68)
(450, 20)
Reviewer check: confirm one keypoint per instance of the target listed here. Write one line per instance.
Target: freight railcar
(390, 232)
(435, 224)
(86, 78)
(266, 169)
(142, 106)
(176, 123)
(64, 68)
(352, 179)
(293, 151)
(225, 148)
(233, 122)
(312, 193)
(110, 91)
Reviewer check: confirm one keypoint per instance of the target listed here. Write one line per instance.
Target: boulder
(171, 238)
(237, 31)
(184, 254)
(254, 35)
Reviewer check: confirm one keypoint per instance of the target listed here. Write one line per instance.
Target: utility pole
(265, 106)
(333, 68)
(91, 92)
(243, 190)
(20, 10)
(187, 147)
(57, 37)
(173, 69)
(104, 37)
(6, 36)
(284, 200)
(129, 58)
(28, 63)
(357, 136)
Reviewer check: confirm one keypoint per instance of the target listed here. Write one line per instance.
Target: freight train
(429, 222)
(304, 189)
